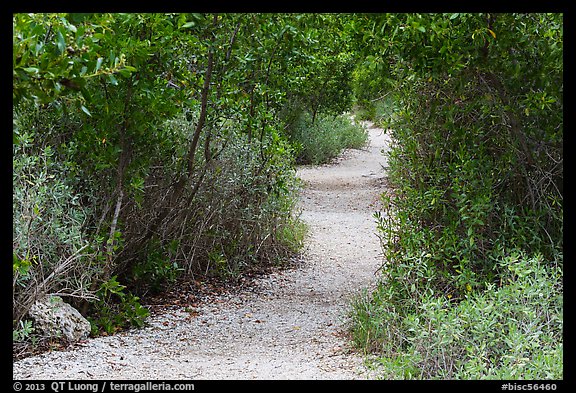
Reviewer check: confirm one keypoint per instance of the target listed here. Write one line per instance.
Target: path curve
(290, 327)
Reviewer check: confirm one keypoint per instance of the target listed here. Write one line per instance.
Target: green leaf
(113, 80)
(72, 28)
(124, 72)
(454, 15)
(422, 29)
(37, 48)
(60, 42)
(98, 64)
(85, 110)
(187, 25)
(31, 70)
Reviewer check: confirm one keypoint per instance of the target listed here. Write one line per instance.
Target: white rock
(56, 318)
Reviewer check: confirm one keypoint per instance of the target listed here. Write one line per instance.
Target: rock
(58, 319)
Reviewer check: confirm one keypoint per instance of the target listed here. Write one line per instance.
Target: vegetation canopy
(149, 148)
(154, 148)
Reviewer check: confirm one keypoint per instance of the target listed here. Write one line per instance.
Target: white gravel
(291, 327)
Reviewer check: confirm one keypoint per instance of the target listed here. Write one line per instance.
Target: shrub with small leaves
(115, 309)
(326, 137)
(510, 330)
(49, 247)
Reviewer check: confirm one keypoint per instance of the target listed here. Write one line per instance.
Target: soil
(289, 324)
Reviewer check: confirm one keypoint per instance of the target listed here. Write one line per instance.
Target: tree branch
(203, 103)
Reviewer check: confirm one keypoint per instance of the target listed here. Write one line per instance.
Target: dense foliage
(476, 173)
(149, 147)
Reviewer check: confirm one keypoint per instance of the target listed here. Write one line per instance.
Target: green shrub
(474, 176)
(386, 110)
(115, 309)
(23, 332)
(237, 216)
(158, 269)
(50, 252)
(251, 201)
(454, 214)
(510, 330)
(320, 141)
(462, 193)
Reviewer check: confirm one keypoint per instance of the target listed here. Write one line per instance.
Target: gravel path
(291, 326)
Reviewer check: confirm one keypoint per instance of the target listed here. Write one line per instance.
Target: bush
(238, 215)
(385, 110)
(115, 309)
(475, 175)
(319, 141)
(461, 194)
(456, 211)
(50, 249)
(155, 150)
(371, 83)
(510, 330)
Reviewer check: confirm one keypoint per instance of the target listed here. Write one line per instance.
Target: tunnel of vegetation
(149, 148)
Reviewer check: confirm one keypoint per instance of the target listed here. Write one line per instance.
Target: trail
(291, 326)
